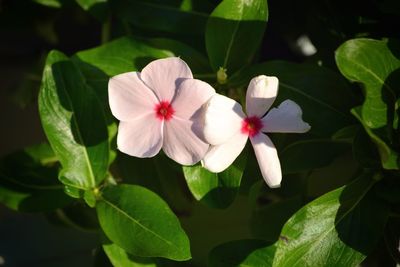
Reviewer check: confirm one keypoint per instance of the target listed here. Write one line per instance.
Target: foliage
(339, 198)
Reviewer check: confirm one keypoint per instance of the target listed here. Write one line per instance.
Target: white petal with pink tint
(129, 97)
(220, 157)
(222, 119)
(190, 97)
(261, 94)
(141, 137)
(163, 76)
(268, 160)
(181, 142)
(285, 119)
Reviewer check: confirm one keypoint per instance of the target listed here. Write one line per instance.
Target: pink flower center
(251, 125)
(164, 110)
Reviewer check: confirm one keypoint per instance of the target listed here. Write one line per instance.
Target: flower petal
(220, 157)
(181, 142)
(268, 160)
(285, 119)
(190, 96)
(129, 97)
(261, 94)
(141, 137)
(163, 76)
(222, 119)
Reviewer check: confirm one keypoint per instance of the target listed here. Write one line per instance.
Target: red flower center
(251, 125)
(164, 110)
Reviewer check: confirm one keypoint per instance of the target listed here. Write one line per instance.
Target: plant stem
(106, 30)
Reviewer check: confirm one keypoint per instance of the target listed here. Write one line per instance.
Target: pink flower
(157, 109)
(227, 128)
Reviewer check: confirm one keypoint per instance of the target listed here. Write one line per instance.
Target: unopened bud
(222, 76)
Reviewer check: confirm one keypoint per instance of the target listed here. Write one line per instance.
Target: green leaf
(121, 55)
(250, 252)
(120, 258)
(131, 54)
(28, 180)
(389, 157)
(217, 190)
(141, 223)
(338, 229)
(323, 95)
(234, 32)
(74, 123)
(197, 61)
(160, 17)
(50, 3)
(310, 154)
(372, 63)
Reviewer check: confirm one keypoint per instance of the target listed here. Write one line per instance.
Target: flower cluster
(164, 107)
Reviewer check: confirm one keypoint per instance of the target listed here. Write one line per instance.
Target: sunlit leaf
(217, 190)
(141, 223)
(74, 123)
(338, 229)
(234, 32)
(372, 63)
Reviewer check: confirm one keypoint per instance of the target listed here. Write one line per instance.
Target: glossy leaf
(28, 180)
(141, 223)
(310, 154)
(234, 32)
(130, 54)
(249, 252)
(338, 229)
(74, 123)
(372, 63)
(322, 94)
(160, 17)
(217, 190)
(389, 157)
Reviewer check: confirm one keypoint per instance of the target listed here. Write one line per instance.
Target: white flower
(158, 108)
(227, 128)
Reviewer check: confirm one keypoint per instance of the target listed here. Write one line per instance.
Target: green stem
(106, 30)
(205, 75)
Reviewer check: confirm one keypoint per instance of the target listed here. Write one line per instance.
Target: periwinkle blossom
(227, 128)
(157, 108)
